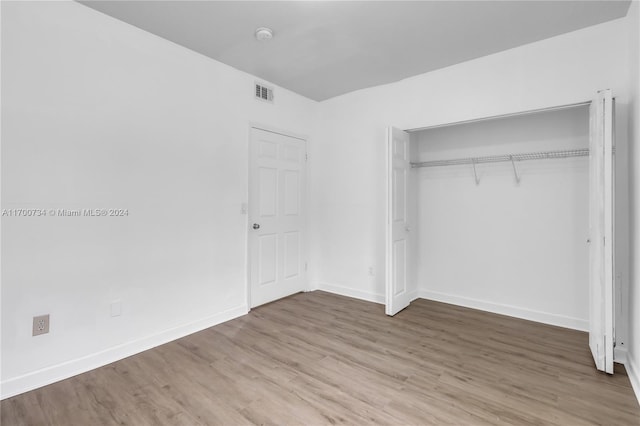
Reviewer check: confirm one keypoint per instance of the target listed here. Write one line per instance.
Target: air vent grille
(264, 93)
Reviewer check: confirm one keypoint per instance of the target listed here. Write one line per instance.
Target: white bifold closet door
(399, 250)
(601, 222)
(398, 247)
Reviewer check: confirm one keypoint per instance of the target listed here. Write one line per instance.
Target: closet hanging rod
(583, 152)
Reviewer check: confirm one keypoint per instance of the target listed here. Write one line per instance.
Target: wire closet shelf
(583, 152)
(512, 158)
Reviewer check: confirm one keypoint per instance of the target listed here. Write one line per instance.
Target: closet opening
(503, 214)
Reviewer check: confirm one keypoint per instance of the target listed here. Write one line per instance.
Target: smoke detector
(263, 33)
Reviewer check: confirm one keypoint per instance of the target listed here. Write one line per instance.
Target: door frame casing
(303, 202)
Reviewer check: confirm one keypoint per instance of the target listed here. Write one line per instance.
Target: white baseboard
(350, 292)
(358, 294)
(55, 373)
(512, 311)
(620, 355)
(633, 372)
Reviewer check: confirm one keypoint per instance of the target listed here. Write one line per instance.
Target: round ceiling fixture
(263, 33)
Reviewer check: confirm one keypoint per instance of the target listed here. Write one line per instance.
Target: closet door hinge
(306, 157)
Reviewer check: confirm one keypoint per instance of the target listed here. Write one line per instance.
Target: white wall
(348, 204)
(519, 249)
(100, 114)
(633, 358)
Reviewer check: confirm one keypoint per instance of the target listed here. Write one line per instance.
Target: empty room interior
(320, 212)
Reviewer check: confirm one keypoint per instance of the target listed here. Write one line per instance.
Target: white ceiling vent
(264, 93)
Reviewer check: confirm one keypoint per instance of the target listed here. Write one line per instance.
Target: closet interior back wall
(499, 245)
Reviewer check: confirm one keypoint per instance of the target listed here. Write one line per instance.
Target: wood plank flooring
(317, 358)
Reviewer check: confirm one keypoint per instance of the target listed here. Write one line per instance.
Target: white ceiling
(324, 49)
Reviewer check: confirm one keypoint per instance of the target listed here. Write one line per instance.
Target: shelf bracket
(515, 171)
(475, 173)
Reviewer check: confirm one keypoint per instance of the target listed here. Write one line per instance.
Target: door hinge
(306, 157)
(305, 266)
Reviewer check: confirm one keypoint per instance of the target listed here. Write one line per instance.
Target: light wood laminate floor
(317, 358)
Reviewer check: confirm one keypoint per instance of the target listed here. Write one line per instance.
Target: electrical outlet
(40, 325)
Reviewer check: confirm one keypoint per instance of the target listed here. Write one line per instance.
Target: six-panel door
(276, 221)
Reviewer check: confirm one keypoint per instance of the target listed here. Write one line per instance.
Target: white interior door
(398, 246)
(276, 216)
(601, 179)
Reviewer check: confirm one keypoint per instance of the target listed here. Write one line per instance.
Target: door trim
(499, 116)
(304, 202)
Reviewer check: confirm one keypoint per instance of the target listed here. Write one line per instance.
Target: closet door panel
(397, 227)
(399, 267)
(601, 327)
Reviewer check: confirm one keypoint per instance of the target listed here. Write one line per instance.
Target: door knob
(256, 226)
